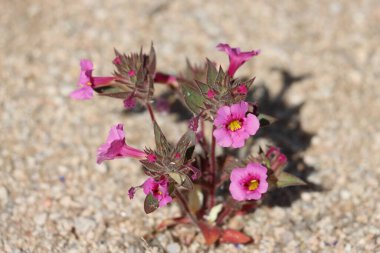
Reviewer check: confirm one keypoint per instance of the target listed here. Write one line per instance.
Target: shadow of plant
(286, 133)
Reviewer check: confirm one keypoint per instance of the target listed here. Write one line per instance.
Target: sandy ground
(53, 196)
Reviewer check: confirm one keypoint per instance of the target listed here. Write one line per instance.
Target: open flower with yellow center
(233, 125)
(249, 183)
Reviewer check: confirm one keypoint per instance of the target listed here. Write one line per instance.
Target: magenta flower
(160, 77)
(159, 190)
(242, 89)
(117, 60)
(248, 183)
(211, 94)
(152, 158)
(87, 82)
(115, 146)
(233, 125)
(236, 57)
(131, 73)
(131, 192)
(129, 102)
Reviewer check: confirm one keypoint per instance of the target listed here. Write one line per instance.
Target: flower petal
(238, 110)
(222, 137)
(223, 115)
(86, 65)
(83, 93)
(148, 185)
(251, 124)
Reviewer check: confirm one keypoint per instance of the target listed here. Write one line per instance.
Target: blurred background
(318, 71)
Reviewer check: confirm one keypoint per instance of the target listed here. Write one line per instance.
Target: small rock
(173, 248)
(40, 219)
(83, 225)
(3, 196)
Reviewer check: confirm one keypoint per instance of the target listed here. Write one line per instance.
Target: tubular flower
(248, 183)
(115, 146)
(236, 57)
(233, 126)
(87, 82)
(159, 190)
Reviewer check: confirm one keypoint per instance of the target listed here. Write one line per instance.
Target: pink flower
(115, 146)
(131, 73)
(159, 190)
(87, 82)
(236, 57)
(152, 158)
(129, 102)
(131, 192)
(117, 60)
(248, 183)
(242, 89)
(233, 125)
(160, 77)
(211, 94)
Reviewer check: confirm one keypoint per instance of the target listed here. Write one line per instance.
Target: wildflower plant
(209, 187)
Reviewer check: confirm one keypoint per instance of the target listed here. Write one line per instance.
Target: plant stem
(212, 170)
(185, 207)
(151, 113)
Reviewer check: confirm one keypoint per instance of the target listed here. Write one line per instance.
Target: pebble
(83, 225)
(40, 219)
(3, 196)
(173, 248)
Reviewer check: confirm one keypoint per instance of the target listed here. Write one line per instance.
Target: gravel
(53, 196)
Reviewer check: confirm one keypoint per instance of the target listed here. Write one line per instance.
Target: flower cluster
(194, 178)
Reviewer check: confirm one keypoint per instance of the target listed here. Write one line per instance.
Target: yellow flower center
(234, 125)
(253, 184)
(89, 83)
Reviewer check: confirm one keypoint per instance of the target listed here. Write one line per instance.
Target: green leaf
(202, 86)
(266, 120)
(211, 72)
(220, 76)
(193, 98)
(162, 144)
(285, 179)
(150, 203)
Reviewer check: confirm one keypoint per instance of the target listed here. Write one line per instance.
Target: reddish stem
(151, 113)
(212, 171)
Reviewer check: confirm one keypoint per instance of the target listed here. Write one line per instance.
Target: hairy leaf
(150, 204)
(193, 98)
(211, 72)
(285, 179)
(187, 141)
(162, 144)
